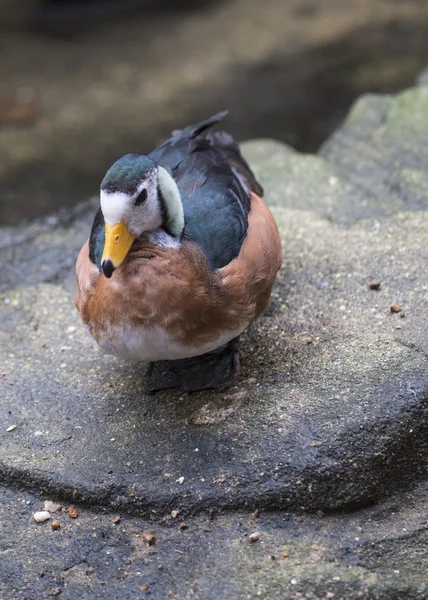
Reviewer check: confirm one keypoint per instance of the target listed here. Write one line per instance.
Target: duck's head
(137, 195)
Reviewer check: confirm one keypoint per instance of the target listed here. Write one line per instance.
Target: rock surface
(330, 412)
(377, 553)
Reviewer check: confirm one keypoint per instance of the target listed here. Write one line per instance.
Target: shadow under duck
(182, 257)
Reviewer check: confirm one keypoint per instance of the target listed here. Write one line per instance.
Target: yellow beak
(117, 245)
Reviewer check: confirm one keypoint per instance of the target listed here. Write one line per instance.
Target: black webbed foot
(217, 370)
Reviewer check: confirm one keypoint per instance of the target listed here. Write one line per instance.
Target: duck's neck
(171, 203)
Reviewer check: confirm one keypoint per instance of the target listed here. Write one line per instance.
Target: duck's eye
(140, 199)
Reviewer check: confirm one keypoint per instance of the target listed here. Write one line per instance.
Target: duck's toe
(216, 370)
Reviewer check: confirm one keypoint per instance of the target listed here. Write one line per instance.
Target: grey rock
(423, 78)
(377, 553)
(330, 412)
(28, 249)
(327, 378)
(382, 147)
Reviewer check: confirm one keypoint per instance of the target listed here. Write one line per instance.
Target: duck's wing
(232, 153)
(215, 183)
(183, 143)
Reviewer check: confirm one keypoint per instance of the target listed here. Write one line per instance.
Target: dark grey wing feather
(97, 239)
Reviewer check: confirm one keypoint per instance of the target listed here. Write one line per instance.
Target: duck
(181, 258)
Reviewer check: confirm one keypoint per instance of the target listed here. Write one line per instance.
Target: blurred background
(83, 82)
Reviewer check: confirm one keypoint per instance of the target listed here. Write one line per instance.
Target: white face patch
(114, 206)
(118, 206)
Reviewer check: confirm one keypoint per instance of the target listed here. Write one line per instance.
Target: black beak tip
(107, 268)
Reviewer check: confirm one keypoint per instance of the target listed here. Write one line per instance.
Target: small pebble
(41, 516)
(254, 537)
(149, 538)
(180, 480)
(160, 567)
(293, 581)
(11, 428)
(73, 512)
(55, 525)
(38, 433)
(329, 595)
(116, 519)
(183, 526)
(175, 513)
(374, 285)
(51, 506)
(394, 308)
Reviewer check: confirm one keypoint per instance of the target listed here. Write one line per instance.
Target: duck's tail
(192, 131)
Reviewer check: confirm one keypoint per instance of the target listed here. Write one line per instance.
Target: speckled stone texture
(330, 412)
